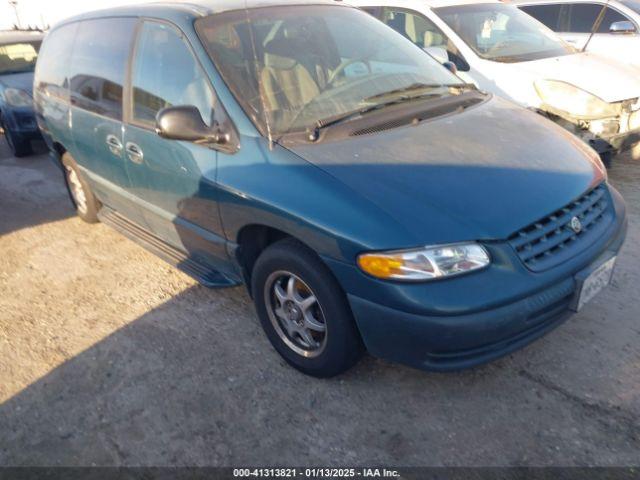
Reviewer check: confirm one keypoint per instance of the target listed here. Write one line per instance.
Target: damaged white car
(505, 51)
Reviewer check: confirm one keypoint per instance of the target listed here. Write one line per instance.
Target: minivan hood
(23, 81)
(610, 81)
(477, 175)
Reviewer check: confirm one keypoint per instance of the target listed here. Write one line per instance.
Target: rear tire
(304, 312)
(86, 204)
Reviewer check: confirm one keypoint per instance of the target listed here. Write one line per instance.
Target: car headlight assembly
(429, 263)
(574, 101)
(17, 98)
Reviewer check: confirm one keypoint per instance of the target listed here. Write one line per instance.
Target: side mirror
(185, 123)
(622, 27)
(451, 67)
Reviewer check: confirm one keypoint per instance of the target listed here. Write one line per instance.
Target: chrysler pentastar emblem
(576, 225)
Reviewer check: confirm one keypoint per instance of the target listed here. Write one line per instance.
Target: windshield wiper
(314, 132)
(417, 87)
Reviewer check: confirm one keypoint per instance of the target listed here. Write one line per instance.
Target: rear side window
(165, 74)
(582, 17)
(549, 15)
(52, 70)
(99, 64)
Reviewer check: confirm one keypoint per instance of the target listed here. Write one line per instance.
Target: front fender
(272, 186)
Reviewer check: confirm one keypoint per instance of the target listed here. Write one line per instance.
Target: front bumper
(624, 141)
(455, 343)
(446, 340)
(607, 136)
(612, 143)
(21, 122)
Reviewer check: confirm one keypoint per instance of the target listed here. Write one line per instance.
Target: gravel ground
(110, 357)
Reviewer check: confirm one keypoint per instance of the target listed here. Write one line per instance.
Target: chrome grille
(552, 240)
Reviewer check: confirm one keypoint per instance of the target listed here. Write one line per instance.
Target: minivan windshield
(503, 33)
(18, 57)
(291, 68)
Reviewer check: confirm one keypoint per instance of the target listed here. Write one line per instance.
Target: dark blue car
(18, 55)
(368, 198)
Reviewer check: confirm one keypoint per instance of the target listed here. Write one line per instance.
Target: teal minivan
(368, 198)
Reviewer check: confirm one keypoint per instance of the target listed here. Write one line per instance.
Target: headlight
(575, 101)
(17, 98)
(425, 264)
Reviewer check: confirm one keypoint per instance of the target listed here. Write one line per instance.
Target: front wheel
(304, 312)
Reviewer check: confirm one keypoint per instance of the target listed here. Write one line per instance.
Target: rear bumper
(446, 342)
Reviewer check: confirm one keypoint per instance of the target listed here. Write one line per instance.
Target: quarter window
(167, 74)
(98, 65)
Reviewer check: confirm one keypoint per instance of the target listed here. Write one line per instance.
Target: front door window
(167, 74)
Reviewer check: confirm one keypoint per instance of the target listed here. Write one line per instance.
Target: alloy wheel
(296, 314)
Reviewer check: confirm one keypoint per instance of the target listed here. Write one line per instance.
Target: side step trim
(192, 267)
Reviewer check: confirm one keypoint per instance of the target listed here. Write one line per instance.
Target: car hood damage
(609, 81)
(479, 175)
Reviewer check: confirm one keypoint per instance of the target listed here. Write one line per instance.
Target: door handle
(134, 152)
(115, 145)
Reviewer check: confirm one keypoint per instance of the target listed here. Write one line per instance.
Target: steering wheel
(342, 67)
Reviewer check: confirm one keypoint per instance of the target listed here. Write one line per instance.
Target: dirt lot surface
(108, 356)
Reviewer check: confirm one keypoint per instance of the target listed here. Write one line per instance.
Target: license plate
(595, 283)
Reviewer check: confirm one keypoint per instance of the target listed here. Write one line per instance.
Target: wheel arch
(60, 150)
(255, 238)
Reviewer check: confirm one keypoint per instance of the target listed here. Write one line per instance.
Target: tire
(84, 201)
(19, 147)
(325, 354)
(607, 158)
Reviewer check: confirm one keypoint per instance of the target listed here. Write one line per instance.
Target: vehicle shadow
(195, 382)
(32, 190)
(176, 385)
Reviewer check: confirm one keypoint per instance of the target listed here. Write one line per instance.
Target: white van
(505, 51)
(617, 36)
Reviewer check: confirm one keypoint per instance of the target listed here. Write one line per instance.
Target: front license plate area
(592, 283)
